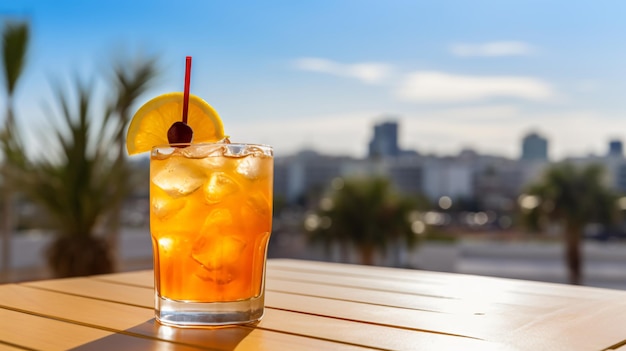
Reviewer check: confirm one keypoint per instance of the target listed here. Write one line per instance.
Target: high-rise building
(534, 147)
(615, 148)
(385, 140)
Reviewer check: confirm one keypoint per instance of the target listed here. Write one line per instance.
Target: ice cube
(203, 150)
(217, 256)
(179, 177)
(220, 276)
(166, 207)
(256, 214)
(259, 204)
(212, 162)
(219, 187)
(217, 219)
(166, 245)
(249, 167)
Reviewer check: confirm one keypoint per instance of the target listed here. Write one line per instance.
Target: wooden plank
(471, 326)
(621, 346)
(241, 338)
(350, 269)
(562, 302)
(7, 347)
(99, 289)
(44, 333)
(434, 279)
(469, 292)
(567, 328)
(371, 335)
(49, 334)
(595, 325)
(126, 342)
(403, 300)
(67, 307)
(430, 277)
(138, 321)
(138, 278)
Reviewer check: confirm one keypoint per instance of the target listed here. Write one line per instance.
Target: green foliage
(572, 197)
(131, 78)
(365, 213)
(15, 38)
(575, 195)
(77, 186)
(14, 46)
(82, 176)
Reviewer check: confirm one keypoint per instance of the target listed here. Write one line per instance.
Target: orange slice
(149, 125)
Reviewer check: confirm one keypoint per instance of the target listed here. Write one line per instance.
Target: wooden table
(323, 306)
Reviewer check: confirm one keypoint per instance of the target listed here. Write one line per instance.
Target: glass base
(198, 314)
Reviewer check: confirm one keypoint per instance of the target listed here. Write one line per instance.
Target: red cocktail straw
(186, 92)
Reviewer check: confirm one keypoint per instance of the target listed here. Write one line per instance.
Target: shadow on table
(151, 335)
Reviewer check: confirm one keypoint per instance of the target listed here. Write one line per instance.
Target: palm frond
(82, 186)
(14, 48)
(571, 193)
(368, 214)
(131, 78)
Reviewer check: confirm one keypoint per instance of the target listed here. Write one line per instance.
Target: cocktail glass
(210, 222)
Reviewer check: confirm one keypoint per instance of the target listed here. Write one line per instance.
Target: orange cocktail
(210, 211)
(210, 221)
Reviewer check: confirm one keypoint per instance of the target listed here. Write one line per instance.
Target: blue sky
(318, 74)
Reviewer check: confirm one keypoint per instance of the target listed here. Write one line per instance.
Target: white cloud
(365, 72)
(490, 49)
(440, 87)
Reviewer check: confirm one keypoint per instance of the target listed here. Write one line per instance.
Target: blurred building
(447, 177)
(407, 173)
(295, 176)
(493, 181)
(497, 180)
(384, 142)
(619, 180)
(534, 147)
(615, 148)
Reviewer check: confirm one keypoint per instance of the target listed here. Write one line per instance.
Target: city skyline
(613, 147)
(319, 75)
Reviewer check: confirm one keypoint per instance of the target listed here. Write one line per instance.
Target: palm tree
(366, 214)
(15, 36)
(78, 190)
(571, 197)
(130, 78)
(77, 186)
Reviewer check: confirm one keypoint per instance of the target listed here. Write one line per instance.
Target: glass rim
(219, 143)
